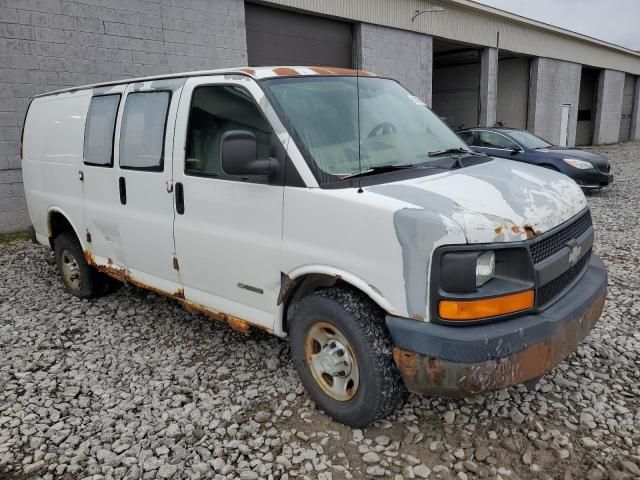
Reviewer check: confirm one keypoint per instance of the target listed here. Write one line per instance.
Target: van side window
(99, 129)
(142, 132)
(216, 109)
(494, 140)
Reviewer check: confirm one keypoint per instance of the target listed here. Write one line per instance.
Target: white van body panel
(52, 158)
(145, 223)
(236, 234)
(229, 227)
(351, 235)
(101, 203)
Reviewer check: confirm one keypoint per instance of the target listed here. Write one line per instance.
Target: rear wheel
(343, 354)
(77, 276)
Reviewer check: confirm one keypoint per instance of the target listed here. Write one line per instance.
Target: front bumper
(457, 361)
(593, 179)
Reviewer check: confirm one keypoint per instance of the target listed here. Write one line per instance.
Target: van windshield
(321, 113)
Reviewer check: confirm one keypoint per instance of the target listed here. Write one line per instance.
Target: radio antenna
(358, 125)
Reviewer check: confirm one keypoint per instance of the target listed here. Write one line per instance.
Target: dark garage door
(627, 107)
(281, 37)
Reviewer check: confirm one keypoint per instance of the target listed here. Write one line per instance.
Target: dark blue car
(588, 169)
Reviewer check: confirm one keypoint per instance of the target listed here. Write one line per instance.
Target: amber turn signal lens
(485, 308)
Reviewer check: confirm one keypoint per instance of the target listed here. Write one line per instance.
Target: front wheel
(343, 354)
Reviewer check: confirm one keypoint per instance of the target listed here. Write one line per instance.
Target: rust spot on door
(124, 275)
(176, 265)
(236, 323)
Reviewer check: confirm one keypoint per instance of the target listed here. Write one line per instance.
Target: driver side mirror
(516, 150)
(239, 155)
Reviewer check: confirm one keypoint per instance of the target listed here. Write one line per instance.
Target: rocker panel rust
(437, 377)
(123, 275)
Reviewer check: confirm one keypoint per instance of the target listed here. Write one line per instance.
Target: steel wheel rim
(331, 360)
(71, 270)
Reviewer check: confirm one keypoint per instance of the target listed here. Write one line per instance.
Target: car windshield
(528, 140)
(321, 113)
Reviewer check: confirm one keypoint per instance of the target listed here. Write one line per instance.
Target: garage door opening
(283, 37)
(456, 83)
(513, 90)
(586, 105)
(627, 107)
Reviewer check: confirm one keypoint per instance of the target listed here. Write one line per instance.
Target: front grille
(552, 244)
(546, 293)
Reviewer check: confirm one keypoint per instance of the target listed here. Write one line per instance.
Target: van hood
(497, 201)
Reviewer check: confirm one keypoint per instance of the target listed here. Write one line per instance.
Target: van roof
(257, 73)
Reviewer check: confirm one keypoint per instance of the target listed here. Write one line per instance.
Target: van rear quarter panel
(52, 158)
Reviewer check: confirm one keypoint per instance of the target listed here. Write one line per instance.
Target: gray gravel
(133, 386)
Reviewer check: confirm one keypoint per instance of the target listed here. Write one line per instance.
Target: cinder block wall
(553, 83)
(50, 44)
(405, 56)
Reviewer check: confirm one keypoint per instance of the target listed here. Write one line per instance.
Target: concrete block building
(474, 65)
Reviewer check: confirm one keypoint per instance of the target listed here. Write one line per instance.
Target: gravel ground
(133, 386)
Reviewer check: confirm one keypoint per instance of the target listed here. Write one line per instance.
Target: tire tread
(371, 324)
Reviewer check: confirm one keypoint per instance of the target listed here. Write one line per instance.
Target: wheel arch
(57, 222)
(305, 280)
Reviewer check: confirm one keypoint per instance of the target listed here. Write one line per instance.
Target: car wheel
(78, 278)
(343, 354)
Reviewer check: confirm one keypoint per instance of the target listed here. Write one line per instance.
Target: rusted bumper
(460, 361)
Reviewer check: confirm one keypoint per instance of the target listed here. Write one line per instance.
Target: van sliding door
(101, 206)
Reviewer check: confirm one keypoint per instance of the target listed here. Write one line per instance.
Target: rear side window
(99, 129)
(142, 132)
(495, 140)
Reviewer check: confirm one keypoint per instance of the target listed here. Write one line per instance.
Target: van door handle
(179, 198)
(123, 190)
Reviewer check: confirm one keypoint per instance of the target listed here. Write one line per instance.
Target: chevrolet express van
(327, 205)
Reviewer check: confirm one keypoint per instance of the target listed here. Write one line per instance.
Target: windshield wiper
(448, 151)
(377, 169)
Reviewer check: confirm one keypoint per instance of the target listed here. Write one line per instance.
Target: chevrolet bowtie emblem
(574, 254)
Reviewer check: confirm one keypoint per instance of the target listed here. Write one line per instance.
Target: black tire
(107, 284)
(67, 249)
(380, 389)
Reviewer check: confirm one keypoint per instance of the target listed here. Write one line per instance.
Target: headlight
(485, 267)
(579, 164)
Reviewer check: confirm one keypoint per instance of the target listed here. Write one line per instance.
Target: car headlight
(485, 267)
(579, 164)
(469, 283)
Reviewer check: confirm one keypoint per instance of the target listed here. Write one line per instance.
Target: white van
(323, 204)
